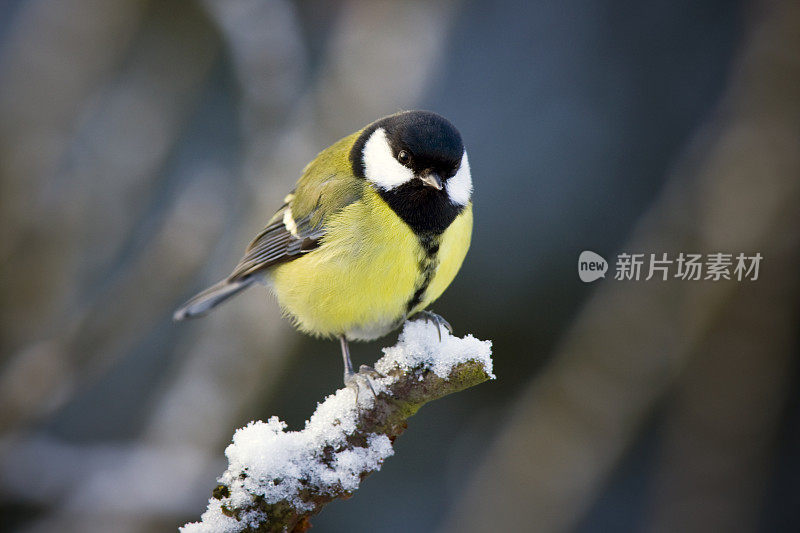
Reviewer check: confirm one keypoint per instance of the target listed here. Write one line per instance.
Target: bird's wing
(299, 225)
(282, 240)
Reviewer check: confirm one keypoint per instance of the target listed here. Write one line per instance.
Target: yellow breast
(360, 280)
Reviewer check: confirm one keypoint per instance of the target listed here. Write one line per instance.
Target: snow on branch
(277, 479)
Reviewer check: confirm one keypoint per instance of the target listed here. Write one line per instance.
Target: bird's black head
(417, 163)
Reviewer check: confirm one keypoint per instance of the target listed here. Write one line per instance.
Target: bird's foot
(364, 377)
(370, 372)
(438, 321)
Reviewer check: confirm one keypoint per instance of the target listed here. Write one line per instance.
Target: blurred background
(143, 143)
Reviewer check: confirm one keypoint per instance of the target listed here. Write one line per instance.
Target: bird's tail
(207, 300)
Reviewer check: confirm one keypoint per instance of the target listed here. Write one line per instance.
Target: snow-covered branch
(276, 479)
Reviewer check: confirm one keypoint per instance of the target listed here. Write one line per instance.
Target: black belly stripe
(427, 268)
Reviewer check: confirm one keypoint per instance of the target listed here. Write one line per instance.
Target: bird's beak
(432, 179)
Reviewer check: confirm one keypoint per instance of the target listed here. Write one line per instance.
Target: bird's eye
(403, 157)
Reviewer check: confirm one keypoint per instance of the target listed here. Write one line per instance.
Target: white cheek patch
(380, 166)
(459, 187)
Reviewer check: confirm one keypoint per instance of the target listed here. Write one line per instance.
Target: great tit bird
(375, 230)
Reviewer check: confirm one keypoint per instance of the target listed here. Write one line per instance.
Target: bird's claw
(438, 321)
(364, 376)
(370, 372)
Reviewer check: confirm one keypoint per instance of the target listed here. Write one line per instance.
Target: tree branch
(276, 480)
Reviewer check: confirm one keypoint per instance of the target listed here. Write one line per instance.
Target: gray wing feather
(274, 245)
(204, 302)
